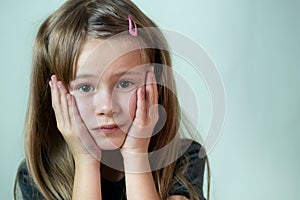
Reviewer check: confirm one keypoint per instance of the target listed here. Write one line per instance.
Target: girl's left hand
(146, 117)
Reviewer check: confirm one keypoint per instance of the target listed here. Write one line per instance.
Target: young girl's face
(105, 91)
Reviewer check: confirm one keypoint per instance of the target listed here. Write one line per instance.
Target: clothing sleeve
(18, 193)
(25, 187)
(194, 172)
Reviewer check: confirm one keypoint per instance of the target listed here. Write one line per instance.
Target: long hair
(48, 157)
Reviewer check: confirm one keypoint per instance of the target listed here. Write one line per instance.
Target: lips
(106, 129)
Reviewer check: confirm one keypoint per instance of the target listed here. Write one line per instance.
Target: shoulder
(192, 164)
(25, 183)
(192, 155)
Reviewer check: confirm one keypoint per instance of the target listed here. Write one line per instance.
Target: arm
(87, 184)
(87, 167)
(140, 184)
(138, 176)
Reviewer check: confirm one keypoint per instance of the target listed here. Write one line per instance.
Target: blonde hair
(48, 158)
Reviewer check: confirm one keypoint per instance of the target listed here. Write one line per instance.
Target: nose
(103, 102)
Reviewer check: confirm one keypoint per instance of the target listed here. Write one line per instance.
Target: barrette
(132, 32)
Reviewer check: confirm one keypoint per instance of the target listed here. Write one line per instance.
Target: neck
(112, 168)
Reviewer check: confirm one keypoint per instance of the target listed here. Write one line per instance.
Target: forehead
(104, 53)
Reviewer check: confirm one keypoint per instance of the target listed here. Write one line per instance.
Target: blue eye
(86, 88)
(124, 84)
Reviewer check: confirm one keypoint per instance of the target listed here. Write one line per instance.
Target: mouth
(107, 129)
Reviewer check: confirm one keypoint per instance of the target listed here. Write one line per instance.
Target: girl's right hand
(70, 124)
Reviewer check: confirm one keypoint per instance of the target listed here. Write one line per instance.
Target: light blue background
(256, 47)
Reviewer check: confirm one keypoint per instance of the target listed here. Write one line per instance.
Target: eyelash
(91, 88)
(124, 81)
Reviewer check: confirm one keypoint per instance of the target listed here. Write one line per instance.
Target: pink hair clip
(132, 32)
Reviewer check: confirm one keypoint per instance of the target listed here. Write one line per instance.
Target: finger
(64, 104)
(55, 98)
(84, 135)
(154, 86)
(140, 115)
(151, 95)
(151, 88)
(148, 97)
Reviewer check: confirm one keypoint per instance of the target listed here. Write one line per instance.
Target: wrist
(87, 177)
(129, 151)
(136, 162)
(86, 163)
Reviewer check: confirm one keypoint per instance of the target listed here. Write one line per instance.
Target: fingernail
(59, 85)
(152, 74)
(152, 69)
(148, 75)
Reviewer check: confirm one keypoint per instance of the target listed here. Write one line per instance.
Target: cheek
(132, 105)
(127, 103)
(85, 107)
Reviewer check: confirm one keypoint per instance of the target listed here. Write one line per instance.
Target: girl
(103, 117)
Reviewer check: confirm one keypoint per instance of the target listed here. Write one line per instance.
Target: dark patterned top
(116, 190)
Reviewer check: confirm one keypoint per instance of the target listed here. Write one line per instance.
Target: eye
(124, 84)
(86, 88)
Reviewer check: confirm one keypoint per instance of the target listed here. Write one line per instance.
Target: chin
(110, 143)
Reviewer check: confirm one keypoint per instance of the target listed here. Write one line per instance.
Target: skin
(101, 98)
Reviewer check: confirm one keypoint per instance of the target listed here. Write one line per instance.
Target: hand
(146, 117)
(70, 124)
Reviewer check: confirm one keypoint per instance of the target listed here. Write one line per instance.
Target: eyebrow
(117, 74)
(82, 76)
(121, 73)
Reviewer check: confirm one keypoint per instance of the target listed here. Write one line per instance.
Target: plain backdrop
(256, 48)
